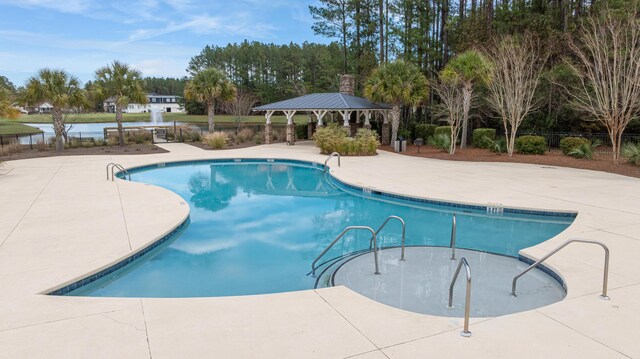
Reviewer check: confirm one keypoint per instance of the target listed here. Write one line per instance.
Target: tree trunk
(511, 139)
(467, 92)
(119, 122)
(381, 24)
(211, 107)
(58, 127)
(395, 122)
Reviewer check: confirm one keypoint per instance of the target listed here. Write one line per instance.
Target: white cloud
(67, 6)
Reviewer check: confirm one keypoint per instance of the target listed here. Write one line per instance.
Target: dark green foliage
(442, 130)
(441, 141)
(531, 145)
(631, 151)
(585, 150)
(425, 131)
(499, 146)
(405, 133)
(483, 137)
(334, 138)
(301, 132)
(569, 144)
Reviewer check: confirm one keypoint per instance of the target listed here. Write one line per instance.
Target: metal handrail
(332, 155)
(452, 243)
(605, 279)
(467, 304)
(375, 244)
(403, 233)
(113, 166)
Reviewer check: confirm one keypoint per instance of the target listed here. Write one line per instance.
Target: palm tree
(466, 70)
(62, 91)
(209, 86)
(124, 84)
(6, 104)
(397, 83)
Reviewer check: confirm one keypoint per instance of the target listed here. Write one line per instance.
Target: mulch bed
(554, 158)
(88, 151)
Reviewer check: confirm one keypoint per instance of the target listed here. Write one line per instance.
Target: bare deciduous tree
(517, 67)
(240, 105)
(608, 68)
(451, 108)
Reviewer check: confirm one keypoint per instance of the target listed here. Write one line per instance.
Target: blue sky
(156, 36)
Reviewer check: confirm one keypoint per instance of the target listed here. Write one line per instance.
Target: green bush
(334, 138)
(499, 145)
(258, 138)
(569, 144)
(631, 151)
(405, 133)
(217, 139)
(531, 145)
(585, 150)
(425, 131)
(301, 132)
(138, 136)
(441, 141)
(483, 137)
(442, 129)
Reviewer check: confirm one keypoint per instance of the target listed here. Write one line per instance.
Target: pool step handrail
(452, 243)
(113, 166)
(332, 155)
(467, 303)
(403, 233)
(605, 279)
(350, 228)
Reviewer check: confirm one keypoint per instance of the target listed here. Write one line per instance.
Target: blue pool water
(255, 227)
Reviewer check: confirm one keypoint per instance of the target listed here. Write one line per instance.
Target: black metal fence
(553, 139)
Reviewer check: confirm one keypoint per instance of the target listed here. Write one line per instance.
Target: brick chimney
(347, 84)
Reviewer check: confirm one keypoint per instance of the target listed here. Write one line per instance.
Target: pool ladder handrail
(350, 228)
(452, 243)
(467, 303)
(403, 233)
(332, 155)
(605, 279)
(113, 166)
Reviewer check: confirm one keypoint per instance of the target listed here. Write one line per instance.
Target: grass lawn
(10, 127)
(141, 117)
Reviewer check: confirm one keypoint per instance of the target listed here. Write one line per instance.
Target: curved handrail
(537, 263)
(403, 232)
(375, 251)
(332, 155)
(113, 166)
(467, 303)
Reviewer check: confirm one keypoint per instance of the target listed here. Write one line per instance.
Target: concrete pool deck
(62, 220)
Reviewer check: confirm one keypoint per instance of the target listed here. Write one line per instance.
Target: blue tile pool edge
(68, 288)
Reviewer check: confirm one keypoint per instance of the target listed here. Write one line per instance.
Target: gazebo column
(386, 133)
(268, 129)
(345, 118)
(319, 116)
(367, 119)
(291, 127)
(310, 128)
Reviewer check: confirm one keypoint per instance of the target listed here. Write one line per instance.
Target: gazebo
(321, 104)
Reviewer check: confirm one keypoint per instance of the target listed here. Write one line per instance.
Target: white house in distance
(155, 103)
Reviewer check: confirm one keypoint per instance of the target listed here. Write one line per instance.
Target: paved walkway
(60, 220)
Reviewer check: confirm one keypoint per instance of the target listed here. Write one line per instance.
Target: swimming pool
(256, 225)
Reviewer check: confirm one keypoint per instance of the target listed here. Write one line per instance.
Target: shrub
(301, 132)
(483, 137)
(258, 138)
(138, 136)
(631, 151)
(569, 144)
(334, 138)
(425, 131)
(112, 141)
(405, 133)
(584, 150)
(217, 139)
(195, 135)
(442, 129)
(100, 142)
(42, 146)
(245, 135)
(499, 145)
(441, 141)
(8, 150)
(531, 145)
